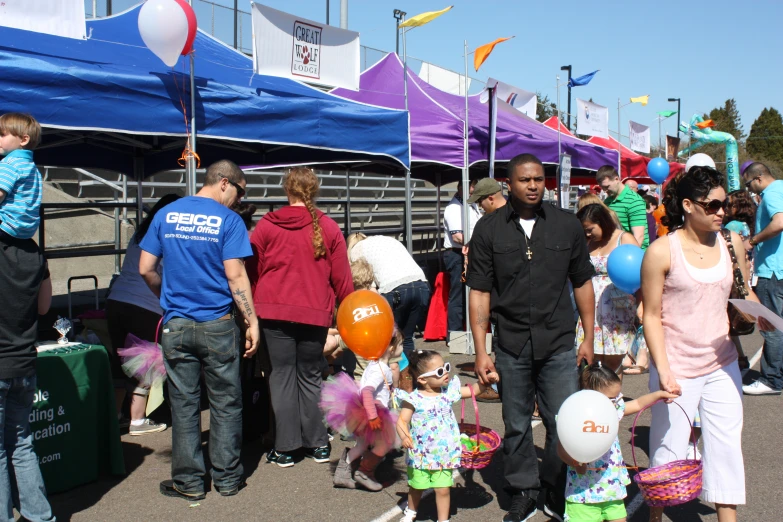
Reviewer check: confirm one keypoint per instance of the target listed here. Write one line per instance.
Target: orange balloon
(366, 323)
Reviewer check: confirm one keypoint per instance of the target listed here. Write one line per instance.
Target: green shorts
(610, 510)
(430, 478)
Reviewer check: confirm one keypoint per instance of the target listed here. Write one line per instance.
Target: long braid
(302, 184)
(318, 238)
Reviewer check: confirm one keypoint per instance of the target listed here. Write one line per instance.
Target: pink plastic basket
(672, 484)
(476, 458)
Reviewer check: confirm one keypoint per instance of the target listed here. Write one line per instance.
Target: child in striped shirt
(20, 181)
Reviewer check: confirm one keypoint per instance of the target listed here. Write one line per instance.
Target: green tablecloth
(74, 419)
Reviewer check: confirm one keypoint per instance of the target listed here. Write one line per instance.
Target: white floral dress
(605, 479)
(434, 428)
(615, 313)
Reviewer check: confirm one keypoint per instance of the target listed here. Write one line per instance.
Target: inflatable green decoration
(706, 135)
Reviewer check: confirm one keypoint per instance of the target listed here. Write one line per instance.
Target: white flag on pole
(592, 119)
(640, 137)
(522, 100)
(443, 79)
(292, 47)
(60, 18)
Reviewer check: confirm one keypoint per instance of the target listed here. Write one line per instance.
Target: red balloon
(366, 323)
(192, 25)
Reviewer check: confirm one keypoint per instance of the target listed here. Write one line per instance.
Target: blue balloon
(658, 170)
(625, 267)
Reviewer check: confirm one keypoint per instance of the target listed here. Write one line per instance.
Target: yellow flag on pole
(424, 18)
(482, 53)
(641, 99)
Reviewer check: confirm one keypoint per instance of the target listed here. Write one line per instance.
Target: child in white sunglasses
(428, 429)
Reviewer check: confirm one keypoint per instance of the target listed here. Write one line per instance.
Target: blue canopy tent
(109, 102)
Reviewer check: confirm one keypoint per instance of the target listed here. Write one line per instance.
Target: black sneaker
(319, 455)
(230, 492)
(284, 460)
(554, 504)
(522, 508)
(168, 488)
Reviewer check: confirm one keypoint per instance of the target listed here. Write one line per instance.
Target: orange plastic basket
(476, 458)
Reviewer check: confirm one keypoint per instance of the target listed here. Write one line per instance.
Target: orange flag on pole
(706, 123)
(482, 53)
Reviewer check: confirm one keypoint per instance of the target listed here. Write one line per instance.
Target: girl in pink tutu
(363, 412)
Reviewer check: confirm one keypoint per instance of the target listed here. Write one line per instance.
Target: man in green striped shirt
(629, 206)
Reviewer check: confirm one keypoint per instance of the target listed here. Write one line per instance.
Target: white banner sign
(522, 100)
(57, 17)
(443, 79)
(293, 47)
(592, 119)
(640, 137)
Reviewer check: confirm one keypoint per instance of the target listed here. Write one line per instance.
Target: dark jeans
(454, 263)
(409, 303)
(770, 293)
(295, 355)
(188, 347)
(21, 483)
(522, 378)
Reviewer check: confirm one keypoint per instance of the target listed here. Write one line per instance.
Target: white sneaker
(693, 452)
(759, 388)
(408, 516)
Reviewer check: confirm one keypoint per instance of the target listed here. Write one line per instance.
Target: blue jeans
(409, 303)
(188, 347)
(522, 379)
(21, 483)
(454, 263)
(770, 293)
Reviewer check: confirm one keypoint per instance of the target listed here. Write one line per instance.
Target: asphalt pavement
(305, 493)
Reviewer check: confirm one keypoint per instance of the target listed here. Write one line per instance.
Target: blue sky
(702, 52)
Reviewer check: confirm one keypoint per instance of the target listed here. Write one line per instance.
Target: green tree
(765, 141)
(546, 108)
(727, 119)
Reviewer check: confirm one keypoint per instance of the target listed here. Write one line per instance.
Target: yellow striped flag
(482, 53)
(641, 99)
(424, 18)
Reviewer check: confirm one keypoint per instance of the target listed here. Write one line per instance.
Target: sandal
(635, 370)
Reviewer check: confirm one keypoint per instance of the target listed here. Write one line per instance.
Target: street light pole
(327, 12)
(679, 116)
(398, 17)
(568, 68)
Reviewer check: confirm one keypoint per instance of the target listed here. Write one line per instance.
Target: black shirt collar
(541, 211)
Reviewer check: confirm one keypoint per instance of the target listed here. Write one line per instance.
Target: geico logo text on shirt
(200, 223)
(360, 314)
(590, 427)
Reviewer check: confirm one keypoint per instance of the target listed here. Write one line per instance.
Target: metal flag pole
(559, 151)
(465, 192)
(191, 185)
(493, 125)
(408, 206)
(619, 142)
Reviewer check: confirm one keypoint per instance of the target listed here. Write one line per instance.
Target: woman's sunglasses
(438, 372)
(712, 207)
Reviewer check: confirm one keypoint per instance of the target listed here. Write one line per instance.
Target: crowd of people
(214, 290)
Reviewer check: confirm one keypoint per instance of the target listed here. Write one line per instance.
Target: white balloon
(164, 28)
(587, 425)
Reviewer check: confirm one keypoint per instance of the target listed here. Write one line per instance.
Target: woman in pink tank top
(686, 281)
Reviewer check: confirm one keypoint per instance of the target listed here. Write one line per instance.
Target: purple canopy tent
(436, 127)
(436, 133)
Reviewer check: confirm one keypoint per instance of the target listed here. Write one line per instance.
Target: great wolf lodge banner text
(294, 47)
(640, 137)
(60, 17)
(592, 119)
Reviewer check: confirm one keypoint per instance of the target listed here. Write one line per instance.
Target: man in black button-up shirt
(520, 262)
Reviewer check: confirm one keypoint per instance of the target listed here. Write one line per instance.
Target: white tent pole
(465, 193)
(408, 195)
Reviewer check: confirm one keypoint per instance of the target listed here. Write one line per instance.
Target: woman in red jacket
(299, 270)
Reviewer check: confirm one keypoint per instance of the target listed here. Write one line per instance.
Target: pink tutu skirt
(344, 412)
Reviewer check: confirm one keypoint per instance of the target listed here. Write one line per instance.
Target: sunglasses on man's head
(712, 207)
(240, 191)
(438, 372)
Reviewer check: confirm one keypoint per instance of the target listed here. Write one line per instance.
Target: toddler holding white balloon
(595, 490)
